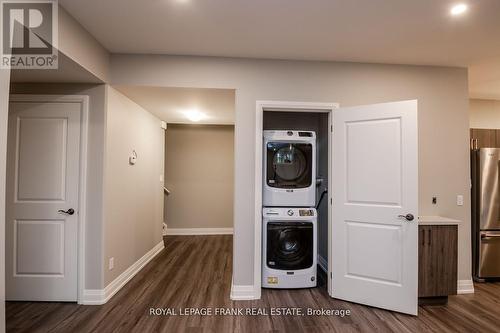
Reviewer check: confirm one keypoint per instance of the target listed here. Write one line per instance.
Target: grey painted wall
(133, 194)
(443, 122)
(95, 167)
(484, 113)
(199, 170)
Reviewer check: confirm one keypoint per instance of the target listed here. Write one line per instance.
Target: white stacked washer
(289, 228)
(289, 246)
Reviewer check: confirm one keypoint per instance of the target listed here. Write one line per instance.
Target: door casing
(83, 100)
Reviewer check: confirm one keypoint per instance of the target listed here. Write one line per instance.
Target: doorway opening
(198, 175)
(291, 168)
(485, 157)
(301, 117)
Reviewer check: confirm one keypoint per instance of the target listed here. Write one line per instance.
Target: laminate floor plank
(196, 271)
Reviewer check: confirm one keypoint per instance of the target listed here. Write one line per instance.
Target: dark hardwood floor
(195, 271)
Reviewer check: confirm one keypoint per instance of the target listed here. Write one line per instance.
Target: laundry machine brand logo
(29, 34)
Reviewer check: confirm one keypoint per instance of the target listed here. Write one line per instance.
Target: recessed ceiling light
(458, 9)
(195, 115)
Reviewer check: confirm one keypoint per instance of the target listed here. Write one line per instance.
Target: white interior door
(375, 185)
(42, 179)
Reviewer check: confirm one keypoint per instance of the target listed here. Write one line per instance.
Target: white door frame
(283, 106)
(83, 100)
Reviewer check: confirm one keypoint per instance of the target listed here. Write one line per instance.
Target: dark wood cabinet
(437, 262)
(485, 138)
(497, 140)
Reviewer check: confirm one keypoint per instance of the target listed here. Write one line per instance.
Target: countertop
(437, 220)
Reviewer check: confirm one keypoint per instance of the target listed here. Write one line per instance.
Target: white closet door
(42, 179)
(375, 206)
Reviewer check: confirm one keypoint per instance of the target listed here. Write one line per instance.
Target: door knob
(408, 217)
(70, 211)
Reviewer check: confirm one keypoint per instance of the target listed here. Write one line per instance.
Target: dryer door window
(289, 165)
(289, 245)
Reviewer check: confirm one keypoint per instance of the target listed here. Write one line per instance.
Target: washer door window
(289, 245)
(289, 165)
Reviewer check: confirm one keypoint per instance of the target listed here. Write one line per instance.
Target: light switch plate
(111, 263)
(460, 200)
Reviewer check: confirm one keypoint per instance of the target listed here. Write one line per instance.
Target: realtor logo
(29, 34)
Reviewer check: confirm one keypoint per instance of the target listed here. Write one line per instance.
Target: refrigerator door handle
(474, 144)
(486, 235)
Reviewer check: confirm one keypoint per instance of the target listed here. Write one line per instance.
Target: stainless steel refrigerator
(485, 166)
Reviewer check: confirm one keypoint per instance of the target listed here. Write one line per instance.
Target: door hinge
(331, 128)
(331, 201)
(331, 275)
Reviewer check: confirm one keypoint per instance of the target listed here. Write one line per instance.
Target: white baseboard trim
(323, 264)
(199, 231)
(92, 297)
(243, 292)
(101, 296)
(465, 287)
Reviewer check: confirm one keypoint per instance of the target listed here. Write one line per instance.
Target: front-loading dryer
(289, 169)
(289, 248)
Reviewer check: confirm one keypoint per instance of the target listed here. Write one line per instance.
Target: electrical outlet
(434, 200)
(111, 263)
(460, 200)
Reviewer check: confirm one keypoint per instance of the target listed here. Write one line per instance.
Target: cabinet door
(486, 138)
(497, 138)
(437, 261)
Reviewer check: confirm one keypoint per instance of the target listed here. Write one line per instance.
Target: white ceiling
(170, 104)
(380, 31)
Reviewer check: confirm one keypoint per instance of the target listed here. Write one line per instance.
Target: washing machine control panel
(289, 212)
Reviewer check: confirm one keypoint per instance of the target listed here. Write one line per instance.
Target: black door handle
(408, 217)
(70, 211)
